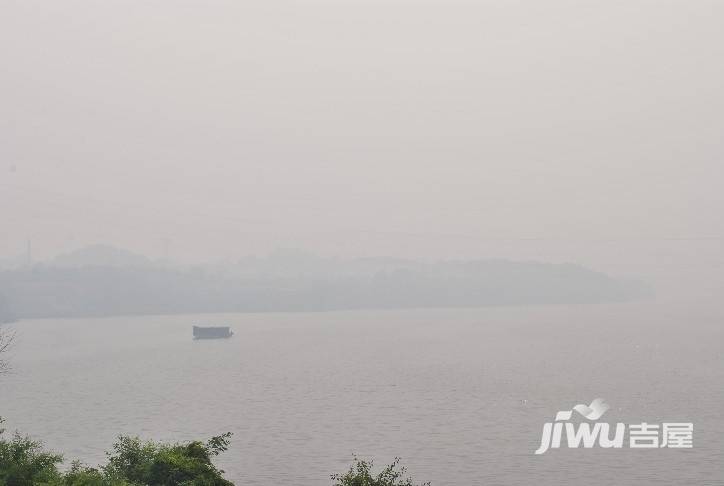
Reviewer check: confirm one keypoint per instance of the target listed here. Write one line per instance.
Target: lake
(460, 395)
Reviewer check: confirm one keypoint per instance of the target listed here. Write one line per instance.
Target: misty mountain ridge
(102, 280)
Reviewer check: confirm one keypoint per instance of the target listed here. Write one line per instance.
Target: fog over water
(504, 209)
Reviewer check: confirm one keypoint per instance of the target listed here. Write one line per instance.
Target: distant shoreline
(329, 311)
(103, 282)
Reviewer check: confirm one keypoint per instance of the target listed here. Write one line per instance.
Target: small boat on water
(212, 332)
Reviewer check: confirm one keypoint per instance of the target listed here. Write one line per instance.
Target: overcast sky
(562, 131)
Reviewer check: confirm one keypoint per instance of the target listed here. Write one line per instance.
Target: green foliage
(360, 474)
(79, 475)
(159, 464)
(133, 462)
(24, 463)
(218, 444)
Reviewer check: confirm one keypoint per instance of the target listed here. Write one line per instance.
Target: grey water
(459, 394)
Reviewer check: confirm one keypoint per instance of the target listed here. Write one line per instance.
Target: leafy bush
(133, 462)
(78, 475)
(159, 464)
(24, 463)
(360, 474)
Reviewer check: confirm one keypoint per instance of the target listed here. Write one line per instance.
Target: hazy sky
(582, 131)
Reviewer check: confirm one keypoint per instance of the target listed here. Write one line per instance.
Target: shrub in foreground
(24, 463)
(360, 474)
(133, 462)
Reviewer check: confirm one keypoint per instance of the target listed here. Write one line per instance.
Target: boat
(203, 332)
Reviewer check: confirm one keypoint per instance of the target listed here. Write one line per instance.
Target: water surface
(459, 394)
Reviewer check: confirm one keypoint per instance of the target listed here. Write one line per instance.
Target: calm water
(460, 395)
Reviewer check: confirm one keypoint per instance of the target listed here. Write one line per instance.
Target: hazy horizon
(557, 131)
(490, 213)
